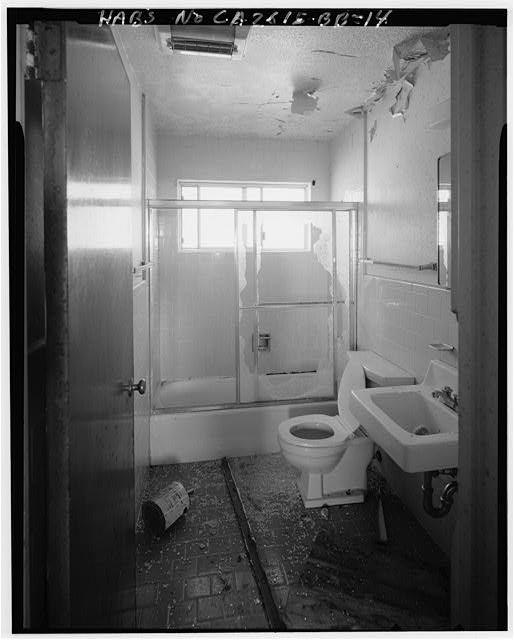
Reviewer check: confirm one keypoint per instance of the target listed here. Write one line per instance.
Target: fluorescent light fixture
(219, 41)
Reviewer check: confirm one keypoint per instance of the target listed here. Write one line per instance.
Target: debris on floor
(185, 586)
(161, 511)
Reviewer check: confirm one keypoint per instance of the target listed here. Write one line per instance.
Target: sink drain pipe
(447, 494)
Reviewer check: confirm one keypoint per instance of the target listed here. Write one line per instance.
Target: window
(213, 229)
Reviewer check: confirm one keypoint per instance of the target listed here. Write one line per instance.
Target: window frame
(244, 185)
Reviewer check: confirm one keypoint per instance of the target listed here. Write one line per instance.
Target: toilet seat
(341, 431)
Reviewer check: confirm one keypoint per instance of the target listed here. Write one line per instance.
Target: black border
(270, 16)
(397, 17)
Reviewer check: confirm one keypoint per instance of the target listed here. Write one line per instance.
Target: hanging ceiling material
(329, 69)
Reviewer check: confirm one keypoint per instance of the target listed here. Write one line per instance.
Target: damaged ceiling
(293, 82)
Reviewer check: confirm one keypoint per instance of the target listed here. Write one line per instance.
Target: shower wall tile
(398, 320)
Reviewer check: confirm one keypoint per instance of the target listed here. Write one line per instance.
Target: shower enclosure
(251, 302)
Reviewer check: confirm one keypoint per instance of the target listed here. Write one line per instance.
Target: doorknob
(139, 386)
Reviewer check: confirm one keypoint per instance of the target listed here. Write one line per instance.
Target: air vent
(204, 40)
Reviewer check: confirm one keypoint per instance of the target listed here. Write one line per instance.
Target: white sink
(416, 430)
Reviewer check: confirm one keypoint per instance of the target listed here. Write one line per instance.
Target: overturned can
(162, 510)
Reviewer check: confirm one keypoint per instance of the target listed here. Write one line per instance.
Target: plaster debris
(408, 56)
(433, 46)
(402, 100)
(304, 102)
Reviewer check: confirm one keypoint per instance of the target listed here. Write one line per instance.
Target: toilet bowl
(333, 452)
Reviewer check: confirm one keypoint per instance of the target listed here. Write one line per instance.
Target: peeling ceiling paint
(333, 70)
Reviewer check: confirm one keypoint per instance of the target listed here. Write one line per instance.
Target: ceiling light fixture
(218, 41)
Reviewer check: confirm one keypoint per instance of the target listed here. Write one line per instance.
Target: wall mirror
(444, 201)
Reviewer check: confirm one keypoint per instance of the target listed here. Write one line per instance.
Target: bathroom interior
(269, 301)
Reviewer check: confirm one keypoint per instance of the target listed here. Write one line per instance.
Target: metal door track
(270, 608)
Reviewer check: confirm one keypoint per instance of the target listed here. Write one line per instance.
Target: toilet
(333, 452)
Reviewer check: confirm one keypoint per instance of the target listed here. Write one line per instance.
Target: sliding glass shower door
(285, 305)
(262, 315)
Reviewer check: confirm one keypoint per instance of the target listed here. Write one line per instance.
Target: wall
(197, 289)
(203, 158)
(396, 174)
(402, 174)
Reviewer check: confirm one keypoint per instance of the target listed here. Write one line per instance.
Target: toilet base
(345, 484)
(343, 497)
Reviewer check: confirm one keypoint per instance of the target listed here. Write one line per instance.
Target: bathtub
(211, 434)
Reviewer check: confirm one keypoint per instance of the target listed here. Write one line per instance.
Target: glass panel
(343, 291)
(444, 206)
(216, 228)
(246, 254)
(189, 228)
(286, 353)
(213, 192)
(248, 379)
(284, 232)
(196, 322)
(287, 273)
(342, 338)
(253, 193)
(283, 194)
(189, 192)
(343, 255)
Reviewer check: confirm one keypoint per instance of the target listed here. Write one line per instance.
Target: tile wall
(399, 320)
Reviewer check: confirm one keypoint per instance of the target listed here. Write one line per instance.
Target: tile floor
(196, 576)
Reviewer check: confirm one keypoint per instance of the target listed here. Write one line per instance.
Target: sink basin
(416, 430)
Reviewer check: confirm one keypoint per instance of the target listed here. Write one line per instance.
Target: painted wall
(396, 173)
(205, 158)
(402, 175)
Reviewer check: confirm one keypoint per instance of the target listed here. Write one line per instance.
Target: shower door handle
(132, 386)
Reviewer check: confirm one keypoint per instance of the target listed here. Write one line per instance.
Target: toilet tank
(380, 372)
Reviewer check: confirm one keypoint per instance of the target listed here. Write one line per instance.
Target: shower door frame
(352, 208)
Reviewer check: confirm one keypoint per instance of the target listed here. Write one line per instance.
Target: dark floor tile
(210, 608)
(182, 615)
(198, 587)
(154, 618)
(195, 548)
(184, 568)
(256, 622)
(225, 624)
(244, 579)
(172, 592)
(216, 563)
(221, 583)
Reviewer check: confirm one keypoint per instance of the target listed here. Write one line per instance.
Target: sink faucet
(447, 397)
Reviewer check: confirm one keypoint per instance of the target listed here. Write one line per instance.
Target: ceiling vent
(204, 40)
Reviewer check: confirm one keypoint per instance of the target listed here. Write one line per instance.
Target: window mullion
(198, 226)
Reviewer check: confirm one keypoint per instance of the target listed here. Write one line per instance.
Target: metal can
(162, 510)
